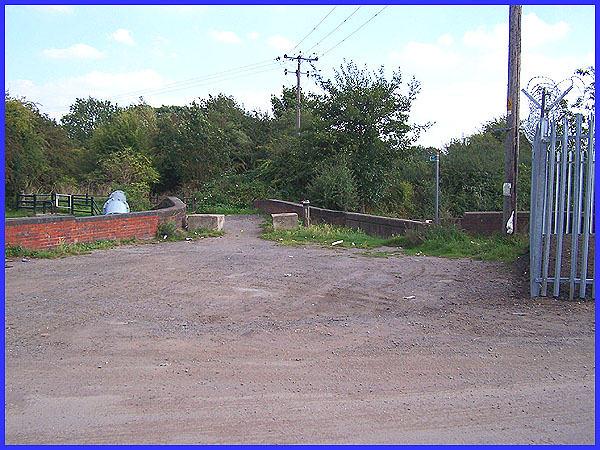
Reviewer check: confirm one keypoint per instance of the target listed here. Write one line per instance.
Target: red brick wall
(40, 233)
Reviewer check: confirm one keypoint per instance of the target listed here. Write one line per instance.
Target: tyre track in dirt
(238, 340)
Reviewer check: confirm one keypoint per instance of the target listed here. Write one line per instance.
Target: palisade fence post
(577, 196)
(547, 231)
(538, 176)
(560, 230)
(34, 205)
(589, 201)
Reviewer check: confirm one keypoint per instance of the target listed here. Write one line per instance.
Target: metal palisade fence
(562, 216)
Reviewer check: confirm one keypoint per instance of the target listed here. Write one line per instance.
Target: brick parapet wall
(375, 225)
(39, 233)
(490, 222)
(483, 222)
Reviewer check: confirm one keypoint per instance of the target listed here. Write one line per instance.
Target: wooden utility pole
(298, 73)
(511, 166)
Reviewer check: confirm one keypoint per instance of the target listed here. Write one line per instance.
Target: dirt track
(237, 340)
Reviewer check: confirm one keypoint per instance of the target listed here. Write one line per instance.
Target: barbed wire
(540, 87)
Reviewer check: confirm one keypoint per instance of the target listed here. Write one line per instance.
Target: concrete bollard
(207, 221)
(285, 221)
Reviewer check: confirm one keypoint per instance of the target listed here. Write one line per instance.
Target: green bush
(168, 231)
(333, 187)
(236, 191)
(136, 194)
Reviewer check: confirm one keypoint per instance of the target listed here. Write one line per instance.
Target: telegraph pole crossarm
(299, 58)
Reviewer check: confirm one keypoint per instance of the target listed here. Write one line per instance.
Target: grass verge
(64, 250)
(226, 210)
(447, 242)
(81, 248)
(323, 234)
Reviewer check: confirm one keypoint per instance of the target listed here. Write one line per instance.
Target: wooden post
(306, 213)
(298, 99)
(511, 165)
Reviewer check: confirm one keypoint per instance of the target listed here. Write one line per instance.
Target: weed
(227, 210)
(446, 241)
(323, 234)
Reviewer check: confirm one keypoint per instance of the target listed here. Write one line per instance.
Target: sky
(171, 55)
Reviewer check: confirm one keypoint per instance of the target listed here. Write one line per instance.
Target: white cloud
(485, 39)
(279, 42)
(228, 37)
(76, 51)
(253, 35)
(465, 107)
(55, 97)
(425, 56)
(256, 100)
(535, 32)
(445, 40)
(124, 36)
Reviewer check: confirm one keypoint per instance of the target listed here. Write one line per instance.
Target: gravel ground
(237, 340)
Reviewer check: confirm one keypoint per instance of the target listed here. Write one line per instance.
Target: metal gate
(562, 216)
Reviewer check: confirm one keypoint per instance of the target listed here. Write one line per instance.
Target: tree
(235, 124)
(133, 127)
(587, 99)
(23, 155)
(472, 171)
(193, 148)
(86, 116)
(37, 152)
(366, 117)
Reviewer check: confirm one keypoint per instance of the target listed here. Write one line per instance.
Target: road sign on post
(436, 159)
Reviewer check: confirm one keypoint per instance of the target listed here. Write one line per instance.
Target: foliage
(85, 116)
(189, 149)
(333, 187)
(12, 213)
(168, 231)
(411, 186)
(133, 128)
(443, 241)
(450, 242)
(130, 172)
(64, 250)
(472, 171)
(325, 235)
(367, 116)
(136, 194)
(231, 191)
(587, 99)
(37, 152)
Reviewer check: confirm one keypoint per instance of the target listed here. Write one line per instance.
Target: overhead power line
(311, 31)
(329, 34)
(242, 71)
(375, 15)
